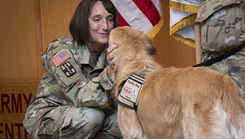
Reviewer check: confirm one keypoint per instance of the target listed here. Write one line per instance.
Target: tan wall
(170, 51)
(26, 28)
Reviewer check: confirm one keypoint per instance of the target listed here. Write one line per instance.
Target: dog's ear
(150, 47)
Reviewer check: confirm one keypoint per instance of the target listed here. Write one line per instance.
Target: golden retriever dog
(172, 103)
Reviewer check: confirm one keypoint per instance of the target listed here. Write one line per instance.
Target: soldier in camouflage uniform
(74, 98)
(223, 31)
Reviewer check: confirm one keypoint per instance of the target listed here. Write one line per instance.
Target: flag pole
(198, 42)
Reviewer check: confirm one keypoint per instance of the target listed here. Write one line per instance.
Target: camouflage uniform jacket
(71, 77)
(222, 30)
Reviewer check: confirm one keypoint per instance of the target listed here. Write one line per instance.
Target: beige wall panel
(55, 18)
(18, 49)
(170, 51)
(14, 99)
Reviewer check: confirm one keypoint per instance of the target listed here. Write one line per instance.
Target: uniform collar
(85, 57)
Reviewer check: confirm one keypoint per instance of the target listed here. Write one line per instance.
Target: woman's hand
(110, 57)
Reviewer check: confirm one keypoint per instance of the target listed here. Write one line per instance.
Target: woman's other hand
(110, 57)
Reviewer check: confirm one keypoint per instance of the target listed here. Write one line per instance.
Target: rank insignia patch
(60, 58)
(68, 69)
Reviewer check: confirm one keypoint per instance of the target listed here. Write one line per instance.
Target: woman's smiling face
(101, 23)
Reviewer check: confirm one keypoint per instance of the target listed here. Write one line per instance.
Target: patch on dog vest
(131, 90)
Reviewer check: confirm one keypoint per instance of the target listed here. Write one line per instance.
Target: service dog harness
(130, 92)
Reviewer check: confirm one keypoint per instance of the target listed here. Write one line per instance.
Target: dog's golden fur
(175, 103)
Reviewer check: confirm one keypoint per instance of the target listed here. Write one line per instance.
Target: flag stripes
(142, 15)
(148, 9)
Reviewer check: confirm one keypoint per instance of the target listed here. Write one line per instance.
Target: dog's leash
(219, 58)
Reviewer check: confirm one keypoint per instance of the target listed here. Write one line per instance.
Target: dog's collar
(130, 92)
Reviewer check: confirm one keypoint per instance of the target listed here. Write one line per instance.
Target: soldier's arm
(73, 84)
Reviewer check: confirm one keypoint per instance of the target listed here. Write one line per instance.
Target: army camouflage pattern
(223, 29)
(222, 25)
(69, 88)
(233, 66)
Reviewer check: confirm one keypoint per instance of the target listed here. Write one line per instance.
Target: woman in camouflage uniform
(74, 98)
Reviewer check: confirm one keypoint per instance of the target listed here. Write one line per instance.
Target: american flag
(142, 15)
(60, 58)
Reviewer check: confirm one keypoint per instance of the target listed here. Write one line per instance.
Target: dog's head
(132, 45)
(131, 41)
(134, 48)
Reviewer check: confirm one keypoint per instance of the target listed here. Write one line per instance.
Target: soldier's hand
(110, 57)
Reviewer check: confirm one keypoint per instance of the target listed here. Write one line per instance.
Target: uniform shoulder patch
(61, 57)
(68, 69)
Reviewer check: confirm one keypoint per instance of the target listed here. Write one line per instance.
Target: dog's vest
(129, 94)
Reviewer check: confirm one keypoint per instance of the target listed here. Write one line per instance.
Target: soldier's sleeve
(70, 83)
(222, 23)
